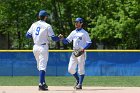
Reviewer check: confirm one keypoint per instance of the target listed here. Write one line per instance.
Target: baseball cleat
(76, 83)
(43, 87)
(78, 87)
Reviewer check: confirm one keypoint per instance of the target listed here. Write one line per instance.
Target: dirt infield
(68, 89)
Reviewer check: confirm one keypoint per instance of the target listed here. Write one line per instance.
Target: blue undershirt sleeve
(55, 38)
(87, 45)
(28, 35)
(65, 41)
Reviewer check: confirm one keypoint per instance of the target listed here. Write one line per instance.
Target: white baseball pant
(41, 56)
(74, 61)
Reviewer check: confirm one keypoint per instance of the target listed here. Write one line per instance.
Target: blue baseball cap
(79, 20)
(43, 13)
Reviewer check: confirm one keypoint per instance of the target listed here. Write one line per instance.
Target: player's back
(40, 34)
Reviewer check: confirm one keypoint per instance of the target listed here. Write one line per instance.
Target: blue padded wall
(97, 64)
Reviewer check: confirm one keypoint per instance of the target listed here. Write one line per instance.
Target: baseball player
(81, 40)
(40, 31)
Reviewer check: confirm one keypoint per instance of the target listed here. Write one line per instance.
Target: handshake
(61, 37)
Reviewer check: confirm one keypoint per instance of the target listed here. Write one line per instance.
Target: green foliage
(115, 24)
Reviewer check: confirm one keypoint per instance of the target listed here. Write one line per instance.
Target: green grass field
(112, 81)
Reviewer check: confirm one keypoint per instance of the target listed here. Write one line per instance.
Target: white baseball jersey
(40, 31)
(80, 38)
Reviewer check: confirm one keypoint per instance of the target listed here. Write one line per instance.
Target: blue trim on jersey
(78, 29)
(65, 41)
(55, 38)
(87, 45)
(28, 35)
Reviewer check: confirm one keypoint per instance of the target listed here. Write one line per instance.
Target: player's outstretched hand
(61, 37)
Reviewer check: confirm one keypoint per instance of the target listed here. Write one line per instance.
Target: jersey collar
(78, 29)
(42, 20)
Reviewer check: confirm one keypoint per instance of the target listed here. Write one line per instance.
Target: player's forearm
(55, 38)
(65, 41)
(87, 45)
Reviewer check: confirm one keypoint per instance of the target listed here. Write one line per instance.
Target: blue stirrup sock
(81, 78)
(76, 77)
(42, 76)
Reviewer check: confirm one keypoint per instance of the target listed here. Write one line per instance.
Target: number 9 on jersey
(37, 31)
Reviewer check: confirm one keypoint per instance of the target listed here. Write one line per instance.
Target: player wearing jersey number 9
(40, 31)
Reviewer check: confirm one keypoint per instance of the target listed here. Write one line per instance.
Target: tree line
(112, 24)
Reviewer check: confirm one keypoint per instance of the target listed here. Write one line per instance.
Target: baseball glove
(78, 52)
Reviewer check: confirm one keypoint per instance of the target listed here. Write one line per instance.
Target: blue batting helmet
(43, 13)
(79, 20)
